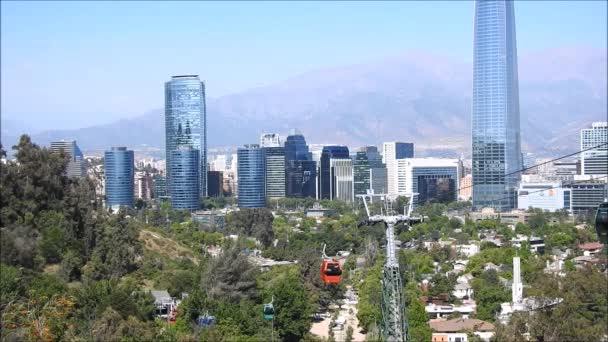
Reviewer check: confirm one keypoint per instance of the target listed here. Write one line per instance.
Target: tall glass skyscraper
(251, 168)
(185, 177)
(495, 115)
(361, 175)
(186, 126)
(296, 148)
(76, 164)
(119, 169)
(275, 172)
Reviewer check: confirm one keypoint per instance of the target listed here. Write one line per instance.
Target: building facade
(160, 187)
(378, 180)
(325, 190)
(587, 195)
(215, 183)
(391, 151)
(595, 161)
(185, 178)
(296, 148)
(252, 176)
(275, 172)
(495, 109)
(119, 168)
(341, 180)
(361, 174)
(301, 178)
(76, 167)
(548, 196)
(186, 125)
(434, 179)
(143, 186)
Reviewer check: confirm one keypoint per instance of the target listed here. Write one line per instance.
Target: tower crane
(394, 321)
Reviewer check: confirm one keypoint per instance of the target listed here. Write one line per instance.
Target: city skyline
(26, 73)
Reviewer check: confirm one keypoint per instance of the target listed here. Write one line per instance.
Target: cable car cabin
(331, 271)
(268, 311)
(601, 222)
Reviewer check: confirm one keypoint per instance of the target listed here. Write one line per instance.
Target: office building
(587, 195)
(186, 125)
(143, 186)
(391, 151)
(325, 190)
(548, 196)
(76, 167)
(373, 156)
(296, 148)
(220, 163)
(119, 168)
(185, 177)
(215, 183)
(465, 189)
(361, 174)
(270, 140)
(251, 169)
(229, 183)
(595, 161)
(160, 187)
(301, 178)
(434, 179)
(275, 172)
(495, 107)
(378, 180)
(341, 179)
(209, 218)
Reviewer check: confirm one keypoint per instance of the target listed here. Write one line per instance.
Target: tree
(231, 276)
(292, 306)
(417, 318)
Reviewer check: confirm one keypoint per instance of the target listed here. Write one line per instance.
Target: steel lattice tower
(394, 321)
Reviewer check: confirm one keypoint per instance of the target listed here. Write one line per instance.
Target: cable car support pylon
(394, 321)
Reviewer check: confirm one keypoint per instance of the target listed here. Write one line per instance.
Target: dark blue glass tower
(495, 112)
(119, 172)
(251, 170)
(329, 152)
(296, 148)
(186, 125)
(185, 178)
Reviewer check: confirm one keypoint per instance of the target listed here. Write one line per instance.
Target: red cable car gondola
(331, 270)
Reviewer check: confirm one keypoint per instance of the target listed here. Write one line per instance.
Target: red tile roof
(590, 246)
(459, 324)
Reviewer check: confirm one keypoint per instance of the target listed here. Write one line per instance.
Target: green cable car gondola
(268, 310)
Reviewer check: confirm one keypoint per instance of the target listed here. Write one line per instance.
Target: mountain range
(415, 97)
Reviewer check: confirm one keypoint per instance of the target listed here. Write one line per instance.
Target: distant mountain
(415, 97)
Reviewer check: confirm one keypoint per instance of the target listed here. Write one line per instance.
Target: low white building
(467, 250)
(443, 311)
(463, 290)
(456, 330)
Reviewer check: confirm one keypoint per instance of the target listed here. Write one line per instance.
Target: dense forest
(71, 270)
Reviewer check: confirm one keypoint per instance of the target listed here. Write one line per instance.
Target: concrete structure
(496, 142)
(186, 126)
(391, 151)
(76, 165)
(119, 169)
(595, 161)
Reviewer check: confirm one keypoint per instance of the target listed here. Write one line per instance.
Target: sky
(76, 64)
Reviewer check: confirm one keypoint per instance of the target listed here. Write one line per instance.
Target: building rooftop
(456, 325)
(589, 246)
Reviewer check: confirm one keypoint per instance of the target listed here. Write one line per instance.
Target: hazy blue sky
(74, 64)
